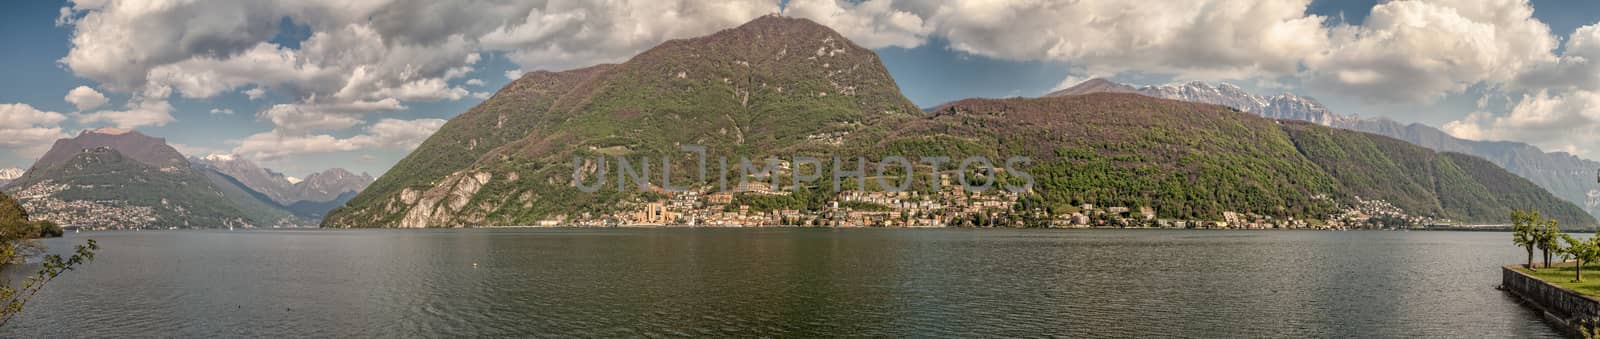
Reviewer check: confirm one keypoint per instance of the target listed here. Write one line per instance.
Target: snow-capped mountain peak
(220, 157)
(1282, 106)
(11, 173)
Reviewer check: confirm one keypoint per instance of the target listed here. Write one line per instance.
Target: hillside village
(953, 206)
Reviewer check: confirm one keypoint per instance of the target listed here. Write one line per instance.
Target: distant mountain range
(1282, 106)
(1563, 174)
(789, 87)
(9, 174)
(324, 186)
(118, 178)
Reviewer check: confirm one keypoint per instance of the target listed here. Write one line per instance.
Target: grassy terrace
(1561, 274)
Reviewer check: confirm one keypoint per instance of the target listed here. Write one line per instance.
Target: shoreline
(1435, 229)
(1564, 308)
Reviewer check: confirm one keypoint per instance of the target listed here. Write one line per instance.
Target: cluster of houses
(1376, 214)
(951, 206)
(40, 200)
(848, 208)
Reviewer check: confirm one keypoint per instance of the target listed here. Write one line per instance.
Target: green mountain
(1190, 161)
(1196, 161)
(762, 87)
(781, 87)
(1455, 185)
(90, 181)
(1565, 175)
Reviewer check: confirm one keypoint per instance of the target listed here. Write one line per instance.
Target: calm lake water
(784, 282)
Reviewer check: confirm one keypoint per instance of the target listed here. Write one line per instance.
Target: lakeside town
(952, 206)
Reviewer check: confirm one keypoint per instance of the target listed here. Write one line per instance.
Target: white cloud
(1417, 51)
(402, 135)
(1569, 122)
(1206, 39)
(85, 98)
(307, 117)
(222, 111)
(378, 55)
(434, 89)
(139, 113)
(255, 93)
(563, 35)
(872, 24)
(191, 150)
(295, 119)
(1578, 67)
(206, 76)
(360, 57)
(29, 131)
(14, 116)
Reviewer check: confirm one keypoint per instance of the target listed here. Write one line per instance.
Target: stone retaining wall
(1566, 308)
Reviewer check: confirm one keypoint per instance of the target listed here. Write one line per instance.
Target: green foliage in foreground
(16, 234)
(54, 265)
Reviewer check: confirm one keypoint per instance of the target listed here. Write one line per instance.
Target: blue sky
(381, 76)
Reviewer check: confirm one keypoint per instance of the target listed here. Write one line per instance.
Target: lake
(784, 282)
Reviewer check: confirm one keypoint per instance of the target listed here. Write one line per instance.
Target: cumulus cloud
(296, 119)
(139, 113)
(29, 131)
(1578, 67)
(394, 134)
(1406, 51)
(562, 35)
(1417, 51)
(872, 24)
(1205, 39)
(192, 150)
(1569, 123)
(85, 98)
(359, 58)
(376, 56)
(207, 47)
(255, 93)
(307, 117)
(222, 111)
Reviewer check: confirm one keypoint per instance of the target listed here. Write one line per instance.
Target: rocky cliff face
(444, 203)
